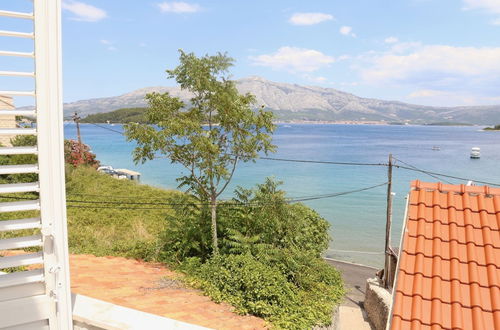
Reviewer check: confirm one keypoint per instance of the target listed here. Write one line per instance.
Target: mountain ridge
(312, 103)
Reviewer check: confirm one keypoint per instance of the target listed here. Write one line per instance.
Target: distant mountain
(295, 102)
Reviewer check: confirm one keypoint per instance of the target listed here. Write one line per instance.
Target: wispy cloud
(309, 18)
(294, 59)
(492, 6)
(446, 98)
(488, 6)
(391, 40)
(108, 44)
(84, 12)
(179, 7)
(347, 31)
(436, 69)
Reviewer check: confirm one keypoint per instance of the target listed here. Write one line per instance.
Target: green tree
(209, 135)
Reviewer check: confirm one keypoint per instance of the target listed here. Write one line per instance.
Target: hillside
(126, 115)
(295, 102)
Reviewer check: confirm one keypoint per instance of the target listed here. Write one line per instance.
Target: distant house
(7, 121)
(448, 275)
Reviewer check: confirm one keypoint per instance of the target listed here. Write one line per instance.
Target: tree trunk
(215, 245)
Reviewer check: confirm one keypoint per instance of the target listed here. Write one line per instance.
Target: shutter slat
(16, 34)
(15, 14)
(26, 113)
(21, 260)
(18, 169)
(17, 131)
(18, 313)
(17, 93)
(22, 291)
(20, 242)
(17, 74)
(20, 206)
(19, 278)
(18, 150)
(17, 54)
(20, 224)
(19, 187)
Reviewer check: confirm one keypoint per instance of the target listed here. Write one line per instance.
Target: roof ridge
(456, 188)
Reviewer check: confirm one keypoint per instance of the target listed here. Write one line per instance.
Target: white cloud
(391, 40)
(347, 31)
(84, 12)
(309, 18)
(108, 44)
(178, 7)
(489, 6)
(470, 70)
(315, 79)
(446, 98)
(294, 59)
(492, 6)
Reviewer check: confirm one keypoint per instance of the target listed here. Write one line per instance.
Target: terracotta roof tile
(448, 275)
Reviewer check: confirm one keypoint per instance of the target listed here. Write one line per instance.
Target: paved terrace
(151, 288)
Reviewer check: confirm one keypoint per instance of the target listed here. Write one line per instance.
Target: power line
(305, 199)
(447, 176)
(109, 129)
(416, 168)
(322, 162)
(229, 204)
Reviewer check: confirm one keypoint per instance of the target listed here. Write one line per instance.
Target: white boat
(475, 153)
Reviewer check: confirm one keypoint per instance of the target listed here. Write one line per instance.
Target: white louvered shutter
(36, 298)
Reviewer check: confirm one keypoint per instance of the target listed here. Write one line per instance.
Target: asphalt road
(355, 277)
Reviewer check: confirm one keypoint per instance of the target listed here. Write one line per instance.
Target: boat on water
(475, 153)
(436, 148)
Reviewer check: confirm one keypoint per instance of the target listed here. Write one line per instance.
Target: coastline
(328, 122)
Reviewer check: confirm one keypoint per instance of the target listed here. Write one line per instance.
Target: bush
(270, 263)
(255, 287)
(78, 154)
(256, 217)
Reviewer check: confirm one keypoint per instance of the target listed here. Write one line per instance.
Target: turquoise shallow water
(358, 220)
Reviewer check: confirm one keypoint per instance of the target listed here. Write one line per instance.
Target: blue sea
(357, 220)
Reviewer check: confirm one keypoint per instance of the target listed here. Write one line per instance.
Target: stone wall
(377, 303)
(6, 103)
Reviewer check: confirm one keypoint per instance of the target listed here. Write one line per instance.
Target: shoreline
(328, 122)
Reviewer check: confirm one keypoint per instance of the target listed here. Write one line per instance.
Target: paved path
(151, 288)
(351, 313)
(355, 277)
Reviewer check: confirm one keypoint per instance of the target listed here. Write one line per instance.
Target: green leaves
(208, 135)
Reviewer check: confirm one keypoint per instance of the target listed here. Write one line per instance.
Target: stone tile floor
(151, 288)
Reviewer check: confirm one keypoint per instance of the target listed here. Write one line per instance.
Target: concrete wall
(377, 303)
(95, 314)
(6, 103)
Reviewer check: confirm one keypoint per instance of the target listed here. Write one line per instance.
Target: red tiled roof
(448, 275)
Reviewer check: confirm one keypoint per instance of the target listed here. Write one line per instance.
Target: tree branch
(230, 177)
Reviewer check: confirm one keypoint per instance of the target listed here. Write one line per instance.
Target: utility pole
(76, 119)
(387, 263)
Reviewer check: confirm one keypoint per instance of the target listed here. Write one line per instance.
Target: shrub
(255, 287)
(270, 263)
(78, 154)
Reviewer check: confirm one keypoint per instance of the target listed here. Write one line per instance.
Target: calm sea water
(357, 220)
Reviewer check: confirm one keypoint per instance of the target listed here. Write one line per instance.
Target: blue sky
(435, 52)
